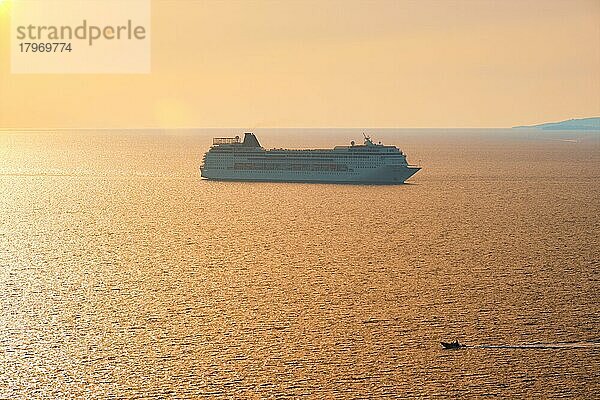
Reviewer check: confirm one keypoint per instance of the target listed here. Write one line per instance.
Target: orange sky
(332, 64)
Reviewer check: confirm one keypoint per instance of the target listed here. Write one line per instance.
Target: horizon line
(250, 129)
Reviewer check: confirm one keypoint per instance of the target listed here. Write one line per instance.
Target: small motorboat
(452, 345)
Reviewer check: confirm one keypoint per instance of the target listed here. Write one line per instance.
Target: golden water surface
(123, 274)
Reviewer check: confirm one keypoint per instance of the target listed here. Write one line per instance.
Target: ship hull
(385, 175)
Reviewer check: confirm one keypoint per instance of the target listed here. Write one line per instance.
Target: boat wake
(557, 345)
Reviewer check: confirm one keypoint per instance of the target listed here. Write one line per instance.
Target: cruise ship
(234, 159)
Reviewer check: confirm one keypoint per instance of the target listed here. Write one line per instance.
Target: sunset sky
(332, 64)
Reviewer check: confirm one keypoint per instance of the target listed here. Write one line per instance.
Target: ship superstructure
(246, 160)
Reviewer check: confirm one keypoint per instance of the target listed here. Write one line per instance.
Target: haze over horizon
(403, 64)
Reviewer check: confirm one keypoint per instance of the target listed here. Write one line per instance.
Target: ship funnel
(250, 140)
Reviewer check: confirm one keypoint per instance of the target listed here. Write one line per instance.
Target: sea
(125, 275)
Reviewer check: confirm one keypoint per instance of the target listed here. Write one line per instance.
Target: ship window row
(258, 166)
(321, 154)
(327, 155)
(290, 166)
(270, 166)
(330, 173)
(342, 173)
(323, 157)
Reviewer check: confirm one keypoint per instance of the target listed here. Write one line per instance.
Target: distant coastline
(581, 124)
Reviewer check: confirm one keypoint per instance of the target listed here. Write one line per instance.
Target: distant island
(581, 124)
